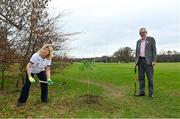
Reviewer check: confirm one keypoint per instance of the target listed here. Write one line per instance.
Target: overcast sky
(107, 25)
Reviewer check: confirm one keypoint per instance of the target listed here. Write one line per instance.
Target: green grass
(106, 91)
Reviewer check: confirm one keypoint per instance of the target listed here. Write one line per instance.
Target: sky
(107, 25)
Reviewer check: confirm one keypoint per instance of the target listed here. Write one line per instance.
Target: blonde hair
(50, 48)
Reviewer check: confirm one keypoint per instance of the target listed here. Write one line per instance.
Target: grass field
(106, 91)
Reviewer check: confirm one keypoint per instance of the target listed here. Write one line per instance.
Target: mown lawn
(106, 91)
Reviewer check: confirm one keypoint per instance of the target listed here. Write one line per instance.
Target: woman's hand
(49, 82)
(32, 80)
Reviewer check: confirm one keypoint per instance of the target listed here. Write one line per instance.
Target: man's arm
(136, 54)
(154, 50)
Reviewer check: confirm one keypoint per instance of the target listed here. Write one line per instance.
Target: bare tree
(6, 53)
(31, 27)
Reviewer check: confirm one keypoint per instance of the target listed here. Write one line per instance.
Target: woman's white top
(38, 63)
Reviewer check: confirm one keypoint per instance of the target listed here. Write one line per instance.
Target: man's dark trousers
(144, 68)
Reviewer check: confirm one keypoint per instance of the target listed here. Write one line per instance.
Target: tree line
(127, 54)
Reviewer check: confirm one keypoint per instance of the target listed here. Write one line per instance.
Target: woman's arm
(28, 69)
(48, 72)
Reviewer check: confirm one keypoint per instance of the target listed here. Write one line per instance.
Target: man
(145, 60)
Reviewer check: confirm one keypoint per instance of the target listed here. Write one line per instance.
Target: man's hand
(153, 63)
(32, 80)
(50, 82)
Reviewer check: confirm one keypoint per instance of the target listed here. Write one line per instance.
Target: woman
(39, 65)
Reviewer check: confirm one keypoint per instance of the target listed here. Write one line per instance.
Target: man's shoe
(151, 96)
(141, 95)
(19, 104)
